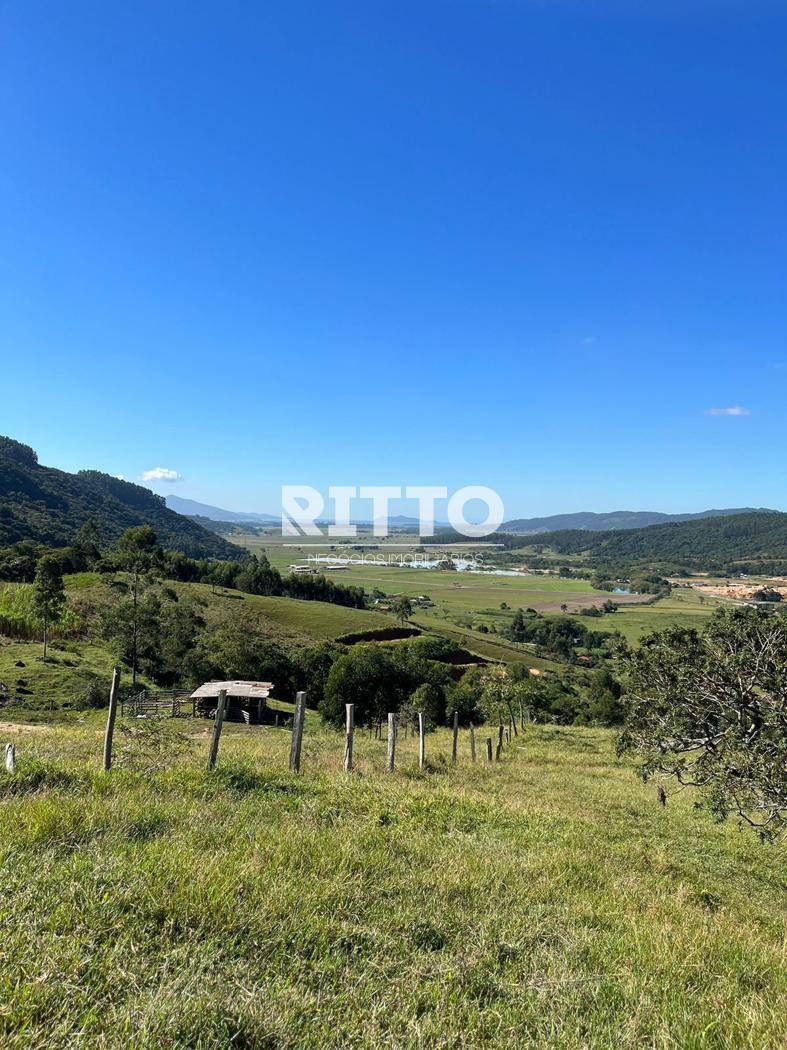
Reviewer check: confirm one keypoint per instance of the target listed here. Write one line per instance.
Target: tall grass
(18, 618)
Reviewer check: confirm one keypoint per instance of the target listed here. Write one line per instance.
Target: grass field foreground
(543, 901)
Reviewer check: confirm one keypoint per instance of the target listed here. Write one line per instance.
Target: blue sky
(529, 245)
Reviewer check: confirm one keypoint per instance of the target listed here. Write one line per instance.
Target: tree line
(139, 546)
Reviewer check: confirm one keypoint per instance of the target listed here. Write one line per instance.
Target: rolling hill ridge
(46, 505)
(617, 519)
(756, 536)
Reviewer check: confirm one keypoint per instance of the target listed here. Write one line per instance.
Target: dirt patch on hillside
(14, 727)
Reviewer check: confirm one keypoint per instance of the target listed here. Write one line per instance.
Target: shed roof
(245, 689)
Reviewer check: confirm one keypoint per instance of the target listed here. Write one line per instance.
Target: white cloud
(734, 410)
(161, 474)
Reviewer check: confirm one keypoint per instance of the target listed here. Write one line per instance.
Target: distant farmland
(466, 601)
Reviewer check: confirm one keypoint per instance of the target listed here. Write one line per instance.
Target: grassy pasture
(73, 664)
(543, 901)
(683, 608)
(457, 592)
(477, 598)
(62, 680)
(316, 620)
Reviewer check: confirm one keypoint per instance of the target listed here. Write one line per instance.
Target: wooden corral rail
(175, 703)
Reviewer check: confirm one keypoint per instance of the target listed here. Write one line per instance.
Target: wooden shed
(246, 701)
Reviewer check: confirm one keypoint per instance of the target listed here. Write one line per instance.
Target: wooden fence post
(472, 742)
(512, 728)
(391, 741)
(499, 751)
(10, 758)
(218, 723)
(348, 744)
(297, 732)
(421, 740)
(456, 737)
(489, 749)
(111, 715)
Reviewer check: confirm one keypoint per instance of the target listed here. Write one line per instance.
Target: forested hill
(616, 519)
(46, 505)
(758, 536)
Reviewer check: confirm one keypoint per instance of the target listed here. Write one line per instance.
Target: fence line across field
(172, 703)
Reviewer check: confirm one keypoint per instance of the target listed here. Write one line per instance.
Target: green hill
(48, 506)
(616, 519)
(758, 537)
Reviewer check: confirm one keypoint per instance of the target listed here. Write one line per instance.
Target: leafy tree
(139, 551)
(18, 563)
(138, 546)
(87, 544)
(181, 627)
(133, 628)
(709, 709)
(766, 594)
(239, 648)
(603, 697)
(256, 576)
(500, 693)
(429, 700)
(432, 647)
(313, 667)
(518, 631)
(379, 679)
(49, 595)
(402, 609)
(466, 696)
(365, 676)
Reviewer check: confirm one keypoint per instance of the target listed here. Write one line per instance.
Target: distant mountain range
(582, 520)
(194, 509)
(47, 506)
(616, 519)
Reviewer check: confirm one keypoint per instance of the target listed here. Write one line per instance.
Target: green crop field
(683, 608)
(542, 901)
(456, 591)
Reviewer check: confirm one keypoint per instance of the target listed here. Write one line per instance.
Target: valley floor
(543, 901)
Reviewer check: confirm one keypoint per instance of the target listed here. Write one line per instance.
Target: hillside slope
(616, 519)
(757, 535)
(46, 505)
(545, 900)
